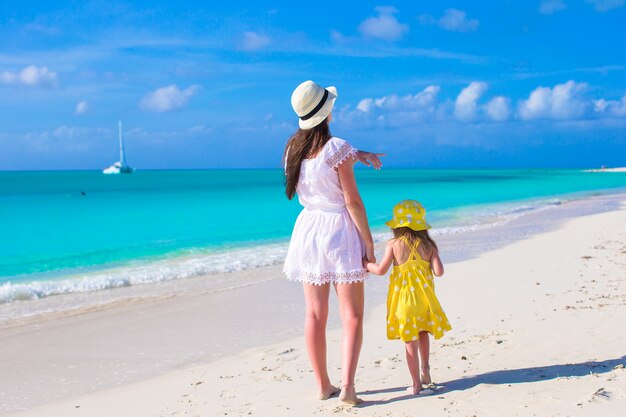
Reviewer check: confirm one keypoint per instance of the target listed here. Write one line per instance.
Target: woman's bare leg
(351, 303)
(316, 297)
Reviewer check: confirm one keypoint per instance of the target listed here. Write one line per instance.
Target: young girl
(413, 310)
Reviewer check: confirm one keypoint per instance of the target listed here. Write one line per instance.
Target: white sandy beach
(538, 329)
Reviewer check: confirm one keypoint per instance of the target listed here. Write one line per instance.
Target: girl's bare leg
(424, 353)
(316, 297)
(413, 363)
(351, 304)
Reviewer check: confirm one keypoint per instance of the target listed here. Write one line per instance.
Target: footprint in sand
(600, 395)
(228, 395)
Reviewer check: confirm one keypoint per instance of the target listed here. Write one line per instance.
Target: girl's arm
(383, 266)
(436, 264)
(355, 206)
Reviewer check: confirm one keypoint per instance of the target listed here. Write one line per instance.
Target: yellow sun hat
(409, 213)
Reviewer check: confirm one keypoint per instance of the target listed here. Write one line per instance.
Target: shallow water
(78, 231)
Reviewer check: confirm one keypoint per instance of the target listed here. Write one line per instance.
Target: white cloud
(465, 105)
(7, 77)
(498, 108)
(566, 101)
(167, 98)
(68, 132)
(551, 6)
(606, 5)
(452, 19)
(423, 100)
(337, 36)
(200, 129)
(563, 101)
(393, 110)
(365, 105)
(457, 20)
(384, 26)
(81, 107)
(611, 107)
(253, 41)
(32, 76)
(601, 105)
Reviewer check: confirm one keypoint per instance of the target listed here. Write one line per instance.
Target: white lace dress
(325, 245)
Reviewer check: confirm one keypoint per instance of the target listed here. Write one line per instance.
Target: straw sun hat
(312, 103)
(409, 213)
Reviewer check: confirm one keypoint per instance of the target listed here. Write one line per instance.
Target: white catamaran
(119, 167)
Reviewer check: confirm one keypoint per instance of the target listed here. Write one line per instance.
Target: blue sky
(437, 84)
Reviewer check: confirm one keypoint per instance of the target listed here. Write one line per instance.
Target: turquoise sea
(71, 231)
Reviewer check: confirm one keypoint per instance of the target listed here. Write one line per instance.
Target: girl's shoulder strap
(413, 253)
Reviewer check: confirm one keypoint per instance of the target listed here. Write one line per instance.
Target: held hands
(366, 263)
(370, 159)
(369, 265)
(369, 255)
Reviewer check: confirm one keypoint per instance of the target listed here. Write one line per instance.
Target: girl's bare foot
(331, 391)
(414, 389)
(348, 395)
(418, 390)
(425, 376)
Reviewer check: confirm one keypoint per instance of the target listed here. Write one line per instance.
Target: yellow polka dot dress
(412, 305)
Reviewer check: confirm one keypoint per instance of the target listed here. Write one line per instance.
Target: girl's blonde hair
(413, 236)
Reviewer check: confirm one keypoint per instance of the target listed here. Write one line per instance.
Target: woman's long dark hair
(303, 144)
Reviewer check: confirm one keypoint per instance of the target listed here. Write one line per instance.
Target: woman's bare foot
(331, 391)
(414, 389)
(425, 376)
(348, 395)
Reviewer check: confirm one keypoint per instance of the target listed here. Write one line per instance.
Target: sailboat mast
(122, 156)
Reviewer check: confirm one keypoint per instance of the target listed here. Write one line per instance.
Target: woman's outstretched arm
(370, 159)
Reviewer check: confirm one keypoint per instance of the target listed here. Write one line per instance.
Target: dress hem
(312, 278)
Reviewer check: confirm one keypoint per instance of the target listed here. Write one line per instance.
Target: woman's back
(318, 186)
(325, 244)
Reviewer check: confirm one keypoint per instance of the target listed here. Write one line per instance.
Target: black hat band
(317, 108)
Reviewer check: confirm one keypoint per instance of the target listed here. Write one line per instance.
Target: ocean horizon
(80, 231)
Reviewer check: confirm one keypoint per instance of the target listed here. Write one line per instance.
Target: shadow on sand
(508, 376)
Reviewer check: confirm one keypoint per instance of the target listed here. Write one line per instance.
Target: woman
(331, 235)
